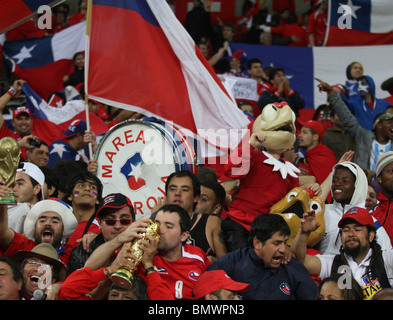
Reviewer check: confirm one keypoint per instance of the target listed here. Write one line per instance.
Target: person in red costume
(265, 177)
(319, 159)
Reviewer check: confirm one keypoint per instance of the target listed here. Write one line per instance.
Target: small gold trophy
(123, 277)
(9, 161)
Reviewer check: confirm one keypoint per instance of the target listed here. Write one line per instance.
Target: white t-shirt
(358, 270)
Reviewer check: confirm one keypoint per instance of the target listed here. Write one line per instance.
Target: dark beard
(353, 252)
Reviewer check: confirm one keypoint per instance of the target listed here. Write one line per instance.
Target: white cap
(34, 172)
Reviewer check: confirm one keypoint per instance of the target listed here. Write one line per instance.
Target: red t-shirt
(384, 214)
(176, 279)
(21, 242)
(317, 25)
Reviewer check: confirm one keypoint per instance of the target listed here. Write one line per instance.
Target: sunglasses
(112, 222)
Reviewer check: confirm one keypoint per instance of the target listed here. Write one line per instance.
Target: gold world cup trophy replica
(123, 277)
(9, 161)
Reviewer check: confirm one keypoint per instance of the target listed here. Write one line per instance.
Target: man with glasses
(114, 216)
(42, 270)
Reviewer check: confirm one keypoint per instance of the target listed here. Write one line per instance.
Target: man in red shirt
(319, 160)
(49, 221)
(84, 194)
(22, 120)
(170, 267)
(317, 24)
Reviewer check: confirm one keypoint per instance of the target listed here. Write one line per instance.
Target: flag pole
(87, 40)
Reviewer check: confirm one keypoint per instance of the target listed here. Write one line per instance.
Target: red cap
(238, 54)
(18, 111)
(315, 125)
(360, 215)
(214, 280)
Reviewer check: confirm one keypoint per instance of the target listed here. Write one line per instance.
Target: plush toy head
(293, 205)
(277, 124)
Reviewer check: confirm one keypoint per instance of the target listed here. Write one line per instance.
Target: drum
(136, 157)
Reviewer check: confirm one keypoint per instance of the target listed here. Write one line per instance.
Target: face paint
(95, 194)
(76, 193)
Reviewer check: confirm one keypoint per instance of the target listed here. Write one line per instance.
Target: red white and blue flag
(50, 121)
(302, 65)
(14, 12)
(141, 58)
(132, 171)
(43, 62)
(359, 23)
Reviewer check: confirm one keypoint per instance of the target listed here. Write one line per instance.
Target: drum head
(135, 158)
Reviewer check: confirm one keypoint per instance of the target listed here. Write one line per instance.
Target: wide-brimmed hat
(46, 252)
(52, 204)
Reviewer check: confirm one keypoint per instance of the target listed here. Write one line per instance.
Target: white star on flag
(23, 54)
(352, 7)
(59, 149)
(136, 171)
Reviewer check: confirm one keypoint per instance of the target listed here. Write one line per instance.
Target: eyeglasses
(112, 222)
(35, 262)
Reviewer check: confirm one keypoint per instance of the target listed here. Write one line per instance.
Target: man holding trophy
(169, 266)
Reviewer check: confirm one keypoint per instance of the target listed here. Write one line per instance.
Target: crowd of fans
(221, 235)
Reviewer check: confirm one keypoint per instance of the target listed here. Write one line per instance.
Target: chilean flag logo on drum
(132, 170)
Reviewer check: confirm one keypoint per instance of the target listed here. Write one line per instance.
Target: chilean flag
(132, 171)
(303, 65)
(359, 23)
(43, 62)
(50, 121)
(14, 12)
(139, 57)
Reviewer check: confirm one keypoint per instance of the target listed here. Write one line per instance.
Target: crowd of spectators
(64, 239)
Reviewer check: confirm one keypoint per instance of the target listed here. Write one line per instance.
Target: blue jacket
(288, 282)
(358, 106)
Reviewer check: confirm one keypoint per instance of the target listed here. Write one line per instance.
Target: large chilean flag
(140, 57)
(359, 23)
